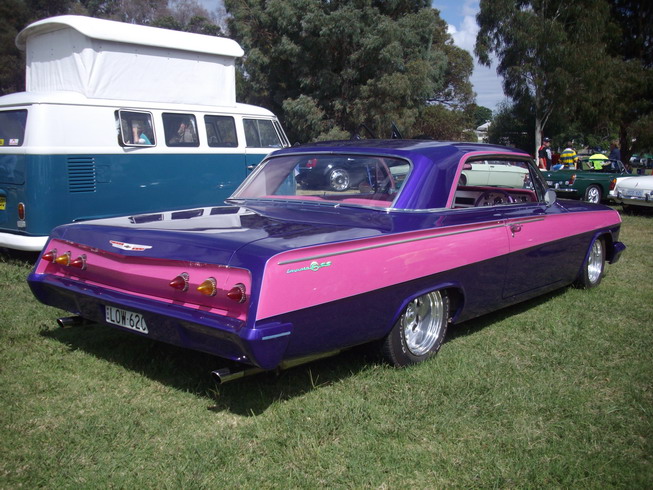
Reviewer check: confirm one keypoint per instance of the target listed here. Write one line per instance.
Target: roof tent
(105, 59)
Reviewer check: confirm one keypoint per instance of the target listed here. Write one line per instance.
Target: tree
(481, 115)
(549, 52)
(345, 63)
(13, 17)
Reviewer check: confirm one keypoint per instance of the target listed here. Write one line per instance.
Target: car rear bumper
(229, 338)
(646, 200)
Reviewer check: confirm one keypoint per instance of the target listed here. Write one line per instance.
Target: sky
(460, 15)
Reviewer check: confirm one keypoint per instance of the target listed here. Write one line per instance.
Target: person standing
(615, 152)
(568, 157)
(544, 154)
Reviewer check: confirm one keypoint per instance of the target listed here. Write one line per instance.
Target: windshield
(350, 179)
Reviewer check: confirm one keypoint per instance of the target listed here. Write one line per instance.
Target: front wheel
(594, 266)
(593, 194)
(419, 331)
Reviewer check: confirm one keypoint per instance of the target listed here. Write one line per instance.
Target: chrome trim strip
(398, 242)
(268, 337)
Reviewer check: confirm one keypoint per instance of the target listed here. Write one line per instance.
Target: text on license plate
(125, 318)
(3, 203)
(634, 192)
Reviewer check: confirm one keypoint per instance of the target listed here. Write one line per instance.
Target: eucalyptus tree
(328, 66)
(550, 53)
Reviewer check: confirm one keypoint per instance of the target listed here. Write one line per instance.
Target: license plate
(125, 318)
(3, 203)
(633, 192)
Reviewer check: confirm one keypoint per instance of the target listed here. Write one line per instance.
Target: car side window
(495, 182)
(180, 129)
(261, 133)
(221, 131)
(135, 128)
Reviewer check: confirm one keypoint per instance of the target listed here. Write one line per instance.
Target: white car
(494, 172)
(635, 191)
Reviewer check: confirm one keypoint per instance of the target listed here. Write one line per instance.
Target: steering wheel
(493, 197)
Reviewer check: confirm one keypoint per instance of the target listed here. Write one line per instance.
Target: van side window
(260, 133)
(221, 131)
(12, 127)
(135, 128)
(180, 129)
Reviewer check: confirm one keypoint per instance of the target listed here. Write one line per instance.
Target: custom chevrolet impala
(286, 273)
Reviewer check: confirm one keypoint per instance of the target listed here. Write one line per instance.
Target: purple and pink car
(286, 273)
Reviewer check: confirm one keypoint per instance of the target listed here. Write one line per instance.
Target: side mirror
(550, 197)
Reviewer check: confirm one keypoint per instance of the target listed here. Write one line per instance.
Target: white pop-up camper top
(113, 60)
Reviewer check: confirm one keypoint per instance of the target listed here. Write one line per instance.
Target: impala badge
(129, 246)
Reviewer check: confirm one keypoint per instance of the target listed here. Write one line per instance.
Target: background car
(635, 192)
(335, 173)
(586, 182)
(491, 172)
(285, 274)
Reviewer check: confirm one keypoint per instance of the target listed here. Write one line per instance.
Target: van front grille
(81, 174)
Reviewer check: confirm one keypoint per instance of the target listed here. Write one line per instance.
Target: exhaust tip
(71, 321)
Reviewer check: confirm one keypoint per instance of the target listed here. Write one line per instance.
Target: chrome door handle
(515, 228)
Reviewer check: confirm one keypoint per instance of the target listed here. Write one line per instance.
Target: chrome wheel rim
(339, 180)
(593, 195)
(595, 262)
(422, 322)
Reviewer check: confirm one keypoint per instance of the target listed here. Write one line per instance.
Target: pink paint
(316, 275)
(149, 278)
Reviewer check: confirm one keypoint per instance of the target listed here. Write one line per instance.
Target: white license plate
(125, 318)
(633, 192)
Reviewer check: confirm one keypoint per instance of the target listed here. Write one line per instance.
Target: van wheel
(594, 266)
(419, 331)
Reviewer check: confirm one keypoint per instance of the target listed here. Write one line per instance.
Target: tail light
(208, 287)
(613, 184)
(237, 293)
(50, 256)
(311, 163)
(572, 179)
(79, 262)
(180, 282)
(63, 259)
(21, 211)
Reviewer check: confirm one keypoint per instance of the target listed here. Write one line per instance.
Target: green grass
(556, 392)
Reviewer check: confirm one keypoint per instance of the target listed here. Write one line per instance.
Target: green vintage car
(591, 181)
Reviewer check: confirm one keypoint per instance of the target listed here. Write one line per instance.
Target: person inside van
(140, 137)
(185, 133)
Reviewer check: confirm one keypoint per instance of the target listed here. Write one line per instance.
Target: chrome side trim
(388, 244)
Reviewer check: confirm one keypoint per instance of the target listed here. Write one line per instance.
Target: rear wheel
(419, 331)
(594, 266)
(593, 194)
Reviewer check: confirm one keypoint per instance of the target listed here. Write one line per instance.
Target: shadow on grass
(476, 324)
(188, 371)
(18, 257)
